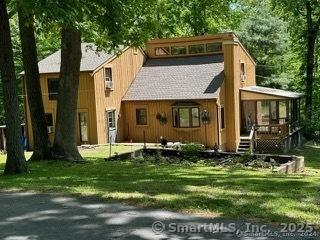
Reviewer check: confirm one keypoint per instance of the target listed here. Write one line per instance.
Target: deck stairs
(244, 145)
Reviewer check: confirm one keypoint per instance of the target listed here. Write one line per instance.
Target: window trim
(190, 108)
(136, 114)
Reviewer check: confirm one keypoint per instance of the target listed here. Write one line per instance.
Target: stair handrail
(252, 137)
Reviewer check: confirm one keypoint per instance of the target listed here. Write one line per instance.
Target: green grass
(198, 189)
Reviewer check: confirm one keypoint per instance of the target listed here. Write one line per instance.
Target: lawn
(212, 191)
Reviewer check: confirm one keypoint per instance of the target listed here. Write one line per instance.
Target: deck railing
(272, 130)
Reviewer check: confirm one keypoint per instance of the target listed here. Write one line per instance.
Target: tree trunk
(312, 31)
(42, 150)
(16, 162)
(65, 142)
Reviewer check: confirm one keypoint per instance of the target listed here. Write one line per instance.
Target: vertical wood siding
(86, 103)
(124, 69)
(154, 130)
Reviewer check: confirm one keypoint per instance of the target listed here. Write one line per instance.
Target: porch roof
(272, 92)
(178, 78)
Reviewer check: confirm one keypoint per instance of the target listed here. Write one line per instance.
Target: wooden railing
(272, 130)
(252, 138)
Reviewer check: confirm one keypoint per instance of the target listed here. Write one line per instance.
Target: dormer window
(214, 47)
(162, 51)
(108, 78)
(178, 50)
(199, 48)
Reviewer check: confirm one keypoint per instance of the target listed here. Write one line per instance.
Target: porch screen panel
(263, 112)
(283, 112)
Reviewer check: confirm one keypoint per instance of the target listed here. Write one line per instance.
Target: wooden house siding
(234, 55)
(85, 104)
(154, 130)
(124, 69)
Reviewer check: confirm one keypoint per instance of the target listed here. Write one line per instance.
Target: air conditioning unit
(108, 84)
(243, 77)
(50, 129)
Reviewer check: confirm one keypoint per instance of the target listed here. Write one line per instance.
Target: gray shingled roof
(178, 79)
(272, 91)
(91, 59)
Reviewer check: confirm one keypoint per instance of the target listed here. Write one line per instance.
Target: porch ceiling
(260, 93)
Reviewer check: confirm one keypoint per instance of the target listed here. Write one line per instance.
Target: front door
(111, 126)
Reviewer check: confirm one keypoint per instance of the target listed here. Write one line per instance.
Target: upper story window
(162, 51)
(53, 88)
(242, 71)
(108, 78)
(178, 50)
(186, 117)
(141, 116)
(199, 48)
(214, 47)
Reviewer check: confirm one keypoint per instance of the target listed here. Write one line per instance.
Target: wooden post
(144, 140)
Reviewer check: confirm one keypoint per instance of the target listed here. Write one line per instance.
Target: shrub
(191, 151)
(246, 157)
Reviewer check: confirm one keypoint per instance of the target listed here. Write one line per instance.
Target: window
(186, 117)
(196, 48)
(83, 126)
(108, 78)
(111, 119)
(223, 124)
(141, 116)
(242, 71)
(179, 50)
(162, 51)
(53, 88)
(49, 121)
(214, 47)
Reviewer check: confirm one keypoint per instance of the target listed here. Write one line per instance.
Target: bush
(246, 157)
(191, 151)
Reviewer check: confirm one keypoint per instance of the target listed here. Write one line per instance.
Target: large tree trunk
(42, 149)
(65, 142)
(16, 162)
(311, 42)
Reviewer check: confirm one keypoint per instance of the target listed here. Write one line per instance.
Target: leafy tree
(16, 162)
(304, 19)
(265, 36)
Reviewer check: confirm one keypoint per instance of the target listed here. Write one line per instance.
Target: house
(196, 89)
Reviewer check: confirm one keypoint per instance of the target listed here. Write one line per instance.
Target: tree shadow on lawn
(237, 193)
